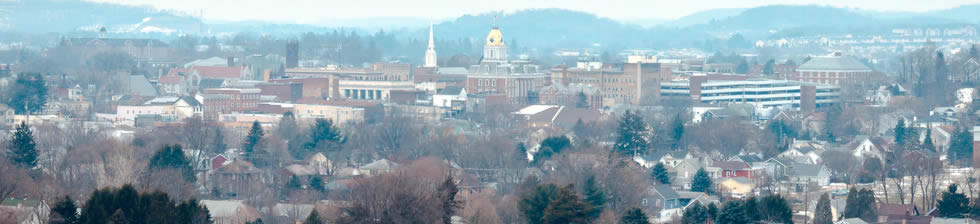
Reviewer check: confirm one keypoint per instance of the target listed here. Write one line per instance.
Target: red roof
(170, 79)
(178, 71)
(216, 72)
(218, 162)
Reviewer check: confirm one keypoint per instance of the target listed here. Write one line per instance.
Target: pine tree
(822, 213)
(291, 185)
(251, 145)
(775, 208)
(900, 137)
(701, 182)
(28, 93)
(533, 204)
(927, 143)
(732, 213)
(594, 195)
(447, 194)
(287, 128)
(695, 214)
(314, 218)
(660, 174)
(953, 204)
(634, 216)
(677, 128)
(768, 68)
(566, 207)
(219, 145)
(632, 136)
(22, 148)
(752, 209)
(172, 157)
(583, 101)
(961, 147)
(712, 211)
(851, 208)
(316, 183)
(65, 210)
(324, 134)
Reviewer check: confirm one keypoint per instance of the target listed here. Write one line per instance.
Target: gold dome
(495, 38)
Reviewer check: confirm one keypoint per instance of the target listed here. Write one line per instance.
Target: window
(644, 202)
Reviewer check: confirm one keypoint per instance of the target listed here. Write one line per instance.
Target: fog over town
(487, 112)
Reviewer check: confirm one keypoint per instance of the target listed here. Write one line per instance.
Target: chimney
(231, 61)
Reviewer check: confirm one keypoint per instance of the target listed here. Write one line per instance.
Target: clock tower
(494, 50)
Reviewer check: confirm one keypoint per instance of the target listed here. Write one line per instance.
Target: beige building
(339, 114)
(372, 90)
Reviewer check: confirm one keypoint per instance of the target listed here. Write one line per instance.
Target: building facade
(762, 92)
(518, 80)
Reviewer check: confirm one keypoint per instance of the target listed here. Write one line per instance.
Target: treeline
(127, 205)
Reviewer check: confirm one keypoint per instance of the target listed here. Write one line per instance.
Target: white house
(447, 96)
(170, 108)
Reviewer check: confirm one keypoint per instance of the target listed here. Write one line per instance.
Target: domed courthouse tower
(495, 50)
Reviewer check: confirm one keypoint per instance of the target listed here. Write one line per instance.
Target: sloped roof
(451, 90)
(891, 209)
(730, 165)
(138, 85)
(382, 164)
(216, 72)
(229, 208)
(239, 166)
(666, 191)
(834, 63)
(808, 170)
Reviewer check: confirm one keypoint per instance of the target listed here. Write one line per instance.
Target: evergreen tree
(701, 182)
(28, 93)
(22, 150)
(822, 213)
(961, 147)
(953, 204)
(118, 218)
(172, 157)
(257, 221)
(712, 211)
(566, 207)
(861, 204)
(324, 135)
(552, 146)
(775, 208)
(632, 136)
(533, 204)
(251, 146)
(64, 211)
(447, 194)
(768, 68)
(634, 216)
(192, 212)
(314, 218)
(695, 214)
(287, 128)
(677, 128)
(594, 195)
(742, 67)
(583, 100)
(291, 185)
(752, 209)
(316, 183)
(927, 143)
(942, 71)
(900, 133)
(660, 174)
(219, 145)
(732, 213)
(521, 154)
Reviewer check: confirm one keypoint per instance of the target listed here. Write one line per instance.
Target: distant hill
(704, 17)
(39, 16)
(553, 27)
(533, 28)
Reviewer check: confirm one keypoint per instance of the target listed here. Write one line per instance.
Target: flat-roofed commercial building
(762, 92)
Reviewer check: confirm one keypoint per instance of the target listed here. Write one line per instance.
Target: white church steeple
(430, 54)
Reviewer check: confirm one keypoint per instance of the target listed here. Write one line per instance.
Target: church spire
(430, 54)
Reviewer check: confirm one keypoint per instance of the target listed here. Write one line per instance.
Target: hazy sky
(315, 11)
